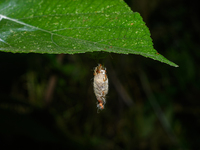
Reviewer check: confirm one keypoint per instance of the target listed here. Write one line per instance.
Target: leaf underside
(72, 27)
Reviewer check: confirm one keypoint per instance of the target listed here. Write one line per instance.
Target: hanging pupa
(100, 86)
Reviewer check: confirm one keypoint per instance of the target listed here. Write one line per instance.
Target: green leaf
(71, 27)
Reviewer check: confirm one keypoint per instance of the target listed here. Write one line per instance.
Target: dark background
(47, 101)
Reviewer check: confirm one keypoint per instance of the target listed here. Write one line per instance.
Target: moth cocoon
(100, 86)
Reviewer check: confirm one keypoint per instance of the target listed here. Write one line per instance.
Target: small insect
(100, 86)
